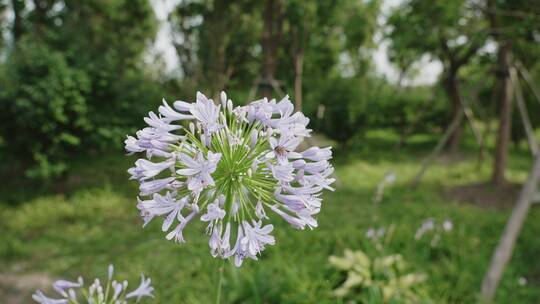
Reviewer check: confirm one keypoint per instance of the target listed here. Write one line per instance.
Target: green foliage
(409, 110)
(384, 278)
(97, 223)
(350, 106)
(215, 42)
(344, 109)
(449, 30)
(74, 80)
(45, 109)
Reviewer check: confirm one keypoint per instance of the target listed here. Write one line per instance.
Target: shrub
(342, 112)
(44, 109)
(378, 280)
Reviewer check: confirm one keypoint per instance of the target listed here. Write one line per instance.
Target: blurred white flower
(427, 225)
(430, 225)
(375, 234)
(448, 225)
(388, 179)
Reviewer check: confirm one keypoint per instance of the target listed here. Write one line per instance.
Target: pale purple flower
(153, 141)
(198, 170)
(132, 145)
(162, 205)
(96, 293)
(256, 237)
(317, 154)
(220, 240)
(206, 112)
(182, 106)
(311, 167)
(250, 241)
(282, 173)
(156, 185)
(226, 168)
(62, 285)
(261, 111)
(214, 212)
(284, 107)
(170, 114)
(176, 234)
(144, 289)
(300, 221)
(145, 169)
(294, 125)
(259, 211)
(282, 147)
(39, 297)
(322, 179)
(160, 123)
(299, 202)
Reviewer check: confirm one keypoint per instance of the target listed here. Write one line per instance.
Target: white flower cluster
(112, 293)
(229, 165)
(430, 225)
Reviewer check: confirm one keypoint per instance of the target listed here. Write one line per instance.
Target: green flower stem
(221, 269)
(228, 205)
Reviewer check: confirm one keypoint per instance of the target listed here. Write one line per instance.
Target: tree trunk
(504, 249)
(18, 7)
(452, 91)
(298, 70)
(271, 36)
(504, 98)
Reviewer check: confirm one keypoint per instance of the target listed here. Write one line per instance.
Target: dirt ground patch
(18, 288)
(484, 195)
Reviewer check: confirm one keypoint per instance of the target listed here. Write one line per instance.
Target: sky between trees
(427, 74)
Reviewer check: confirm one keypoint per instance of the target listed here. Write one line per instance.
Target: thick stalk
(504, 97)
(452, 90)
(503, 252)
(298, 67)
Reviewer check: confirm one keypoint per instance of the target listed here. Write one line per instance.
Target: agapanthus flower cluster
(229, 166)
(114, 292)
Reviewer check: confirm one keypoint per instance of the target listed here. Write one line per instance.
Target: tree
(510, 24)
(300, 18)
(3, 19)
(214, 41)
(273, 16)
(90, 55)
(451, 31)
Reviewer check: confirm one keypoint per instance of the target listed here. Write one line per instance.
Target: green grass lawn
(96, 223)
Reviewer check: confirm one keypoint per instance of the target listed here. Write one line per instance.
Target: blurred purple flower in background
(112, 292)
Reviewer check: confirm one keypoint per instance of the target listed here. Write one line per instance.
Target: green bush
(342, 111)
(44, 109)
(351, 105)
